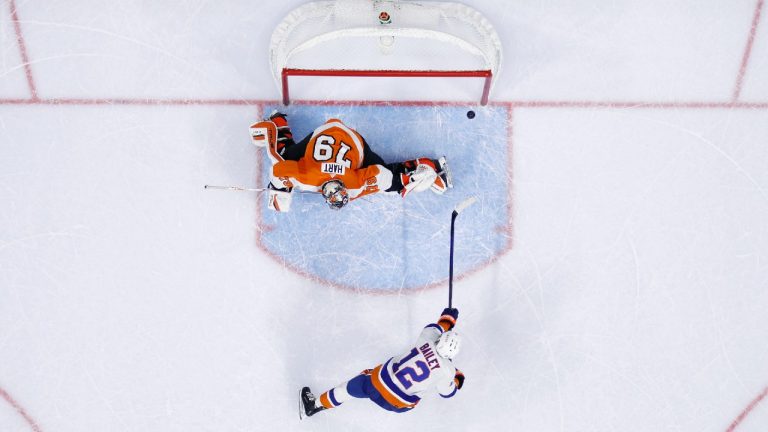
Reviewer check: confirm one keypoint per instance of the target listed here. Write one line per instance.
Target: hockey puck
(470, 114)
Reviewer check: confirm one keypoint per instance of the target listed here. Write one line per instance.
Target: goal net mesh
(384, 35)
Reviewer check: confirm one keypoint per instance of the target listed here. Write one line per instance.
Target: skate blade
(301, 407)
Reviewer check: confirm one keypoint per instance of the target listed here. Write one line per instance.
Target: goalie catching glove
(421, 174)
(263, 133)
(273, 132)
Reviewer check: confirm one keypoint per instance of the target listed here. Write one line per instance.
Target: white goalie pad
(421, 179)
(279, 201)
(439, 186)
(444, 181)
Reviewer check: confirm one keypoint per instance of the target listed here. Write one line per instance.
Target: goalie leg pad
(423, 173)
(280, 200)
(418, 180)
(444, 181)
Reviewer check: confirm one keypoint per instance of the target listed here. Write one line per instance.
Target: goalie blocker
(336, 161)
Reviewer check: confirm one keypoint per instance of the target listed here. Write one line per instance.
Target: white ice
(634, 297)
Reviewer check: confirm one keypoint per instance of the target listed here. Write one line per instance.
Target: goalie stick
(459, 208)
(235, 188)
(244, 189)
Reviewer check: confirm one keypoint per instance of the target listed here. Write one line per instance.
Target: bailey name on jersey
(429, 356)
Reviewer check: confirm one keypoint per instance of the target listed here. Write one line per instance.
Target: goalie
(335, 161)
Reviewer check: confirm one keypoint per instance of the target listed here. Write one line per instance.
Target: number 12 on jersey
(405, 372)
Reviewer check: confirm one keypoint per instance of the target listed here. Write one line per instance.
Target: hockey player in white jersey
(399, 383)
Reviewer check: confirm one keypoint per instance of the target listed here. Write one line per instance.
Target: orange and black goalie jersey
(334, 151)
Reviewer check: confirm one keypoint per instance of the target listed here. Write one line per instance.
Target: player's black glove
(448, 318)
(458, 379)
(452, 312)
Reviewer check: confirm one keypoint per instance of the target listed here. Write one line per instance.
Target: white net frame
(413, 39)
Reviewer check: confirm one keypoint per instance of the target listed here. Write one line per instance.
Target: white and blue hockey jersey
(402, 380)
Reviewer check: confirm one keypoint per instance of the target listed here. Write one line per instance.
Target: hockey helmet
(448, 345)
(335, 194)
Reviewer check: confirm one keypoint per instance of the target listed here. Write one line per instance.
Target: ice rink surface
(613, 276)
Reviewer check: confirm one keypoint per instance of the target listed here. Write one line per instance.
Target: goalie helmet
(335, 194)
(448, 345)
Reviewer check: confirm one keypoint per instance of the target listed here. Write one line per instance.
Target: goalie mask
(335, 194)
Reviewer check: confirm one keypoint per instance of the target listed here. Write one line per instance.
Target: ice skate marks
(387, 243)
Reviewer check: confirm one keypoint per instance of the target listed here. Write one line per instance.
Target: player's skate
(307, 407)
(444, 180)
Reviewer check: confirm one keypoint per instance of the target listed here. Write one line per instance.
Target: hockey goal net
(391, 39)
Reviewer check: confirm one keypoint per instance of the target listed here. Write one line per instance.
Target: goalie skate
(444, 180)
(307, 406)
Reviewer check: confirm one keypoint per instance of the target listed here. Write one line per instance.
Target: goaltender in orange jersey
(335, 161)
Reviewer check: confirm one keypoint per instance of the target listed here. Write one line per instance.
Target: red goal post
(385, 38)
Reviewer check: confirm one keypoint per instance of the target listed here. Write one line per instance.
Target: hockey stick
(459, 208)
(242, 189)
(234, 188)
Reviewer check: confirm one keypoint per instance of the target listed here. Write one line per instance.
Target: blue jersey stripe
(394, 388)
(435, 326)
(452, 393)
(333, 398)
